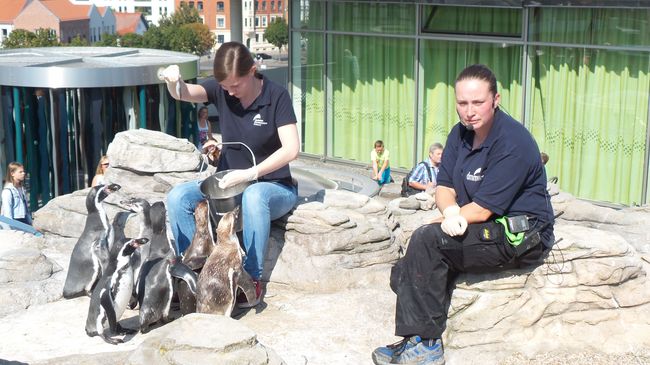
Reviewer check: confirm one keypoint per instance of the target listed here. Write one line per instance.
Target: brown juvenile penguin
(217, 284)
(195, 255)
(202, 242)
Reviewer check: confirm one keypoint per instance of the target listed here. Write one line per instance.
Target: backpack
(406, 189)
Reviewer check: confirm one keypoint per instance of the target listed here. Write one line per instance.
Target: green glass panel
(307, 76)
(615, 27)
(443, 61)
(373, 97)
(372, 18)
(471, 21)
(308, 14)
(589, 112)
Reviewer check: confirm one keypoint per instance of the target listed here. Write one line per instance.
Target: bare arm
(189, 92)
(285, 154)
(472, 212)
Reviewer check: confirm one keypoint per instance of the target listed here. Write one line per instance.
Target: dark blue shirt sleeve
(449, 157)
(284, 113)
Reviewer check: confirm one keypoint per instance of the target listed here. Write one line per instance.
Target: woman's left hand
(236, 177)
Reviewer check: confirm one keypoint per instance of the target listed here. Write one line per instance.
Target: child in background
(204, 128)
(380, 168)
(14, 201)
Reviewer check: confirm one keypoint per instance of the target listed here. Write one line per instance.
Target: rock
(27, 276)
(203, 339)
(409, 203)
(150, 151)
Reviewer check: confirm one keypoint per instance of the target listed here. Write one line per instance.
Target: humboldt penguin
(84, 268)
(156, 277)
(142, 209)
(218, 281)
(113, 291)
(195, 255)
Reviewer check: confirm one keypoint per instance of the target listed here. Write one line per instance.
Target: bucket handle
(243, 144)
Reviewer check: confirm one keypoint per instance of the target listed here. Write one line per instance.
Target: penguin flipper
(107, 304)
(181, 271)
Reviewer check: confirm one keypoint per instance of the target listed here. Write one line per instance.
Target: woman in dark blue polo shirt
(257, 112)
(496, 215)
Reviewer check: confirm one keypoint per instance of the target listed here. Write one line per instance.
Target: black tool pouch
(531, 239)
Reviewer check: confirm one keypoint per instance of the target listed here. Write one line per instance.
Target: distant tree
(133, 40)
(77, 41)
(19, 38)
(183, 15)
(203, 38)
(277, 33)
(45, 37)
(155, 38)
(107, 40)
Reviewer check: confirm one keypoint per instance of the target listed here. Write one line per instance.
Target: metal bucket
(222, 201)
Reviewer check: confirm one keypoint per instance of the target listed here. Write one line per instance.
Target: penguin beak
(112, 188)
(139, 242)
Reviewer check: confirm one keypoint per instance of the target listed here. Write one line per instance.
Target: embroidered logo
(258, 121)
(475, 176)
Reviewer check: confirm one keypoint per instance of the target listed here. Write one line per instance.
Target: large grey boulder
(27, 276)
(203, 339)
(150, 151)
(593, 290)
(345, 241)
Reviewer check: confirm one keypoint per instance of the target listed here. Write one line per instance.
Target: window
(257, 37)
(191, 4)
(256, 5)
(257, 21)
(272, 4)
(279, 5)
(264, 21)
(272, 18)
(220, 7)
(246, 22)
(263, 5)
(199, 5)
(475, 21)
(220, 38)
(221, 22)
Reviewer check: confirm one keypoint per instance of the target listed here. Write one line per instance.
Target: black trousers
(424, 277)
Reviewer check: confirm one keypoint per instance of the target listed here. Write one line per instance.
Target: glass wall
(579, 79)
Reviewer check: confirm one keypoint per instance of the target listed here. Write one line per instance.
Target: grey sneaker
(411, 350)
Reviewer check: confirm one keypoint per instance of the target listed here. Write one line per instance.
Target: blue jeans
(262, 202)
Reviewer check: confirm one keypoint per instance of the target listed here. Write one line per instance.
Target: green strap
(514, 239)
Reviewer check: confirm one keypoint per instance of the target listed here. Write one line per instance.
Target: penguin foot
(125, 331)
(112, 341)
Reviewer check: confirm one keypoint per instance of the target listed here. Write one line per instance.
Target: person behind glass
(100, 171)
(419, 179)
(14, 199)
(380, 168)
(491, 168)
(258, 112)
(203, 126)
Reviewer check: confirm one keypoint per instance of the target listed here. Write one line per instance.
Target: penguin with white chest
(84, 268)
(218, 281)
(112, 293)
(142, 209)
(156, 286)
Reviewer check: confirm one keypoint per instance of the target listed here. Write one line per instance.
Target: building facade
(153, 10)
(65, 19)
(578, 77)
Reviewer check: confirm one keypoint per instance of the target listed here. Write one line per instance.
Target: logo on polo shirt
(475, 176)
(258, 121)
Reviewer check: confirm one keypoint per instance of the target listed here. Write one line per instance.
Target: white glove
(454, 224)
(170, 74)
(236, 177)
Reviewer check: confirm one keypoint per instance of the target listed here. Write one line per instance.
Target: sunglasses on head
(105, 164)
